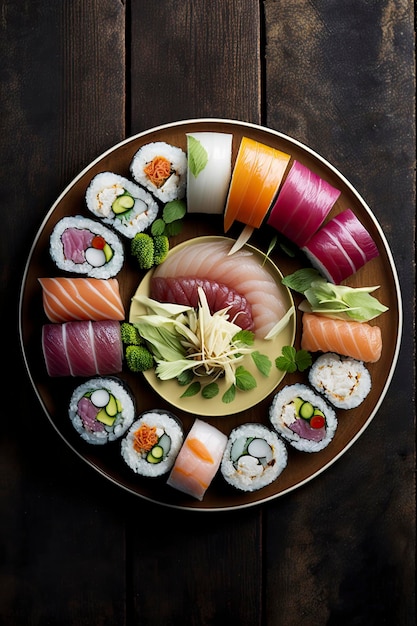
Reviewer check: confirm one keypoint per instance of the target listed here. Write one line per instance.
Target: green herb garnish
(292, 360)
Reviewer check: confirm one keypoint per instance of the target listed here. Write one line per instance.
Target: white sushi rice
(103, 190)
(254, 457)
(282, 414)
(123, 420)
(106, 270)
(174, 186)
(165, 424)
(345, 382)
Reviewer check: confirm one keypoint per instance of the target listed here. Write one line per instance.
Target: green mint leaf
(303, 360)
(245, 336)
(244, 379)
(197, 156)
(229, 395)
(262, 362)
(210, 391)
(158, 227)
(173, 211)
(285, 365)
(192, 390)
(185, 378)
(173, 228)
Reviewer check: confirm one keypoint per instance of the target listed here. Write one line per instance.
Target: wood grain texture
(195, 59)
(77, 77)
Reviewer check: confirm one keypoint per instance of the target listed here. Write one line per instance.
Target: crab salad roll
(117, 201)
(254, 457)
(343, 381)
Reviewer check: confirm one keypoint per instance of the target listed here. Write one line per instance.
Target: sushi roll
(117, 201)
(84, 246)
(101, 410)
(254, 457)
(303, 418)
(209, 171)
(162, 169)
(198, 459)
(152, 443)
(343, 381)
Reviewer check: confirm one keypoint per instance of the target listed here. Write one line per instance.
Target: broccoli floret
(161, 248)
(138, 358)
(142, 248)
(130, 334)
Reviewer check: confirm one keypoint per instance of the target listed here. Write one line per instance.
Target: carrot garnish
(144, 438)
(158, 170)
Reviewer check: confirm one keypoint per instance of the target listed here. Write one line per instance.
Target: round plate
(244, 400)
(54, 394)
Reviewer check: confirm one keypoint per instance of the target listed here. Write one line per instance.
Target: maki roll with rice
(303, 418)
(162, 169)
(117, 201)
(84, 246)
(102, 409)
(254, 457)
(345, 382)
(152, 443)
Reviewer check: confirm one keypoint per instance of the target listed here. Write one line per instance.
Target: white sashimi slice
(240, 271)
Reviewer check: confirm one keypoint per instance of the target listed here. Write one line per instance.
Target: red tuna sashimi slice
(79, 344)
(240, 271)
(302, 205)
(219, 296)
(75, 241)
(54, 350)
(341, 247)
(108, 347)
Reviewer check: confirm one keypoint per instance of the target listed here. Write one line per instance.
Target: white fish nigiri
(198, 460)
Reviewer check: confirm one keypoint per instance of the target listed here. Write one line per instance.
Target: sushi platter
(209, 430)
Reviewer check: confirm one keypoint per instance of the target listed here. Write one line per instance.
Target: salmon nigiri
(68, 299)
(357, 340)
(198, 459)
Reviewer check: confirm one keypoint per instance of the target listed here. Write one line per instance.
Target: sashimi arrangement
(211, 315)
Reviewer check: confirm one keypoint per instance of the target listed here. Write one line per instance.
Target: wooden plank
(60, 545)
(204, 568)
(346, 89)
(204, 63)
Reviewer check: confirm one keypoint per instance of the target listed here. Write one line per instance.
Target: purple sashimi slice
(304, 430)
(75, 242)
(184, 290)
(108, 349)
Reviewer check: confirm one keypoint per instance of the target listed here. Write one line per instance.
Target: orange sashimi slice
(257, 174)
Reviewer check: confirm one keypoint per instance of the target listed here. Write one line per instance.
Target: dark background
(76, 78)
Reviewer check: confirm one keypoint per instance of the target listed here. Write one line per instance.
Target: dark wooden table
(78, 77)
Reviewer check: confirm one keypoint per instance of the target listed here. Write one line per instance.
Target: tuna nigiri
(241, 271)
(357, 340)
(198, 459)
(82, 348)
(68, 299)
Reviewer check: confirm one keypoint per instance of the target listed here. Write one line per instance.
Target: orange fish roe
(158, 170)
(145, 438)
